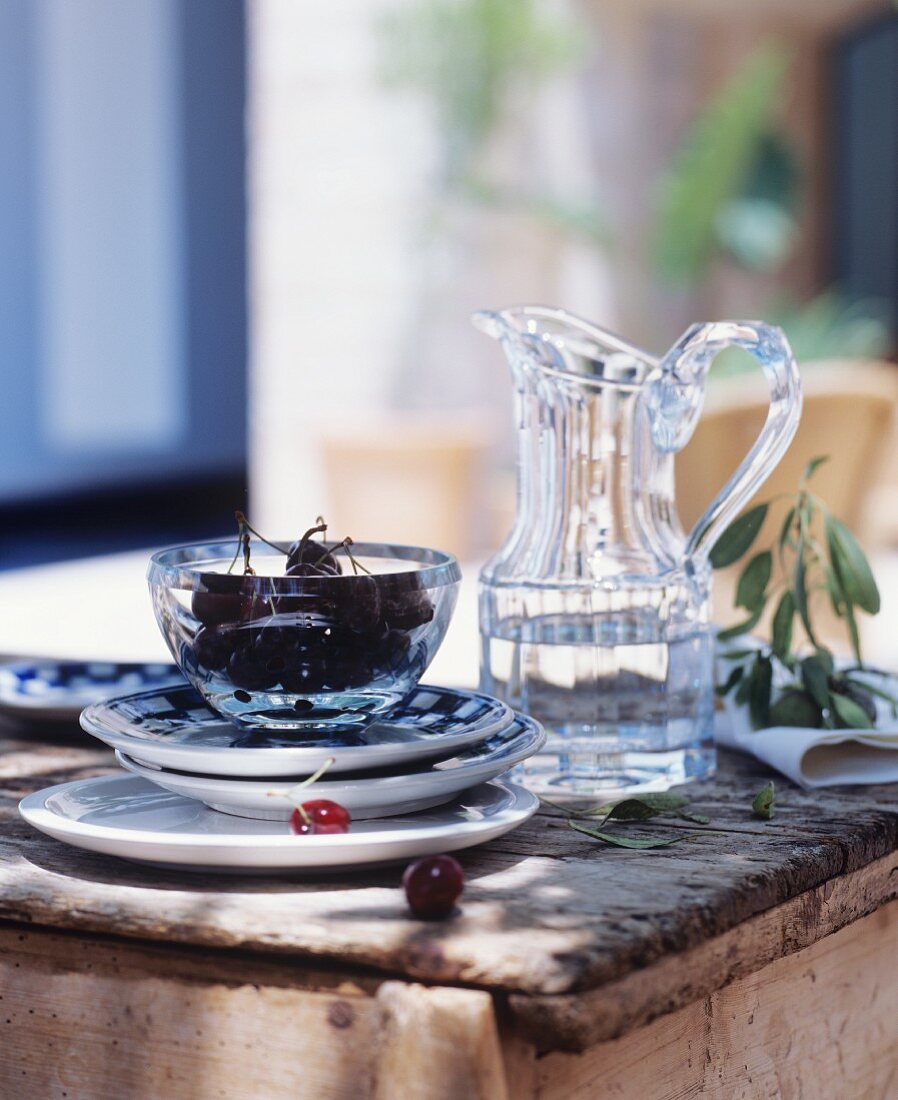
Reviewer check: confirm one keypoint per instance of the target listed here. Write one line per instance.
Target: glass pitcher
(594, 614)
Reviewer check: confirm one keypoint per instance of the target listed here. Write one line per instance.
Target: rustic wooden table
(758, 962)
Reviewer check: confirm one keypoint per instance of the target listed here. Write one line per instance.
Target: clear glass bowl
(275, 652)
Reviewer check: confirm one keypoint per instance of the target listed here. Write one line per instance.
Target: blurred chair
(849, 414)
(409, 478)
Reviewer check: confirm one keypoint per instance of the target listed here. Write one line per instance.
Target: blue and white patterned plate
(175, 729)
(405, 789)
(58, 691)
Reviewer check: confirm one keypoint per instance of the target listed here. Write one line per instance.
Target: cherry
(214, 646)
(407, 610)
(318, 816)
(306, 551)
(433, 885)
(248, 669)
(359, 605)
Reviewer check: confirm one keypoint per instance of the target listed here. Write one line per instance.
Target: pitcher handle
(675, 394)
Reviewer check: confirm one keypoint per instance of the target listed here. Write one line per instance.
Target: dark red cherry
(408, 610)
(306, 551)
(227, 599)
(214, 646)
(433, 885)
(321, 816)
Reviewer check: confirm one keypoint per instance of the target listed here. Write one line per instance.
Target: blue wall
(122, 243)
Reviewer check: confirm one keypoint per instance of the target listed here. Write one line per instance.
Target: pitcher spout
(562, 344)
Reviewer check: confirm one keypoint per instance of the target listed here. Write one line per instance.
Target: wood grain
(820, 1023)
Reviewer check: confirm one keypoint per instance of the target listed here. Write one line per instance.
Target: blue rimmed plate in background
(57, 691)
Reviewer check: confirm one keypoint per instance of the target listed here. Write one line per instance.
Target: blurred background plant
(477, 62)
(730, 194)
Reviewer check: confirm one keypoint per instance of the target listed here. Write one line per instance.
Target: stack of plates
(428, 776)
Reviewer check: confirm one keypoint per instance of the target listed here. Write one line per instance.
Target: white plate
(364, 795)
(129, 817)
(57, 691)
(176, 729)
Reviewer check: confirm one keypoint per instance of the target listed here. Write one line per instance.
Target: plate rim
(532, 730)
(91, 724)
(19, 703)
(34, 810)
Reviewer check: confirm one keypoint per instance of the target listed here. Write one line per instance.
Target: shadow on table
(75, 864)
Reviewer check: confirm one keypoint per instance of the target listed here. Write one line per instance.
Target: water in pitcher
(623, 713)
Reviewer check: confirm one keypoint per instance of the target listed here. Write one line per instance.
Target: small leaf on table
(738, 537)
(616, 841)
(762, 803)
(699, 819)
(638, 808)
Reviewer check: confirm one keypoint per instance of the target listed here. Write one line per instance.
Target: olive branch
(816, 554)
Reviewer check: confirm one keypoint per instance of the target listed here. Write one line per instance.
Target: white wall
(337, 168)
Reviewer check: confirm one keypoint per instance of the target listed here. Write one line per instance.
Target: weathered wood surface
(817, 1025)
(546, 913)
(102, 1019)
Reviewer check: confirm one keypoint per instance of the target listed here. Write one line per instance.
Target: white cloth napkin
(811, 757)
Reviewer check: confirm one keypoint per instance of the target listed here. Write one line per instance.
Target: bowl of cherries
(309, 633)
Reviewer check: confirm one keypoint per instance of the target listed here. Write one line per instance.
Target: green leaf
(825, 658)
(740, 628)
(690, 815)
(865, 685)
(836, 595)
(851, 567)
(786, 528)
(853, 631)
(796, 708)
(800, 595)
(618, 841)
(851, 714)
(782, 626)
(734, 677)
(737, 654)
(813, 466)
(762, 803)
(714, 162)
(742, 691)
(638, 808)
(753, 582)
(815, 678)
(738, 537)
(759, 692)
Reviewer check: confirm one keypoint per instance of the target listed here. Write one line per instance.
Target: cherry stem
(293, 793)
(318, 529)
(261, 538)
(356, 564)
(327, 553)
(237, 516)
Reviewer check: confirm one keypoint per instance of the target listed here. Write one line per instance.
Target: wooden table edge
(576, 1021)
